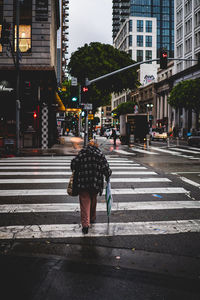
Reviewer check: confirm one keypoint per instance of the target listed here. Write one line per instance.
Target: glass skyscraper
(163, 10)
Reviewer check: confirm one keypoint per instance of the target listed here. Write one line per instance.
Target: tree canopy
(186, 94)
(124, 108)
(95, 60)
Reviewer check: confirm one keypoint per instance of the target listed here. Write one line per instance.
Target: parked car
(194, 139)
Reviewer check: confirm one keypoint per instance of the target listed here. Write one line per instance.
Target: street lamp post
(17, 81)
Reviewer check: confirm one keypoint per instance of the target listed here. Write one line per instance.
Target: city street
(149, 250)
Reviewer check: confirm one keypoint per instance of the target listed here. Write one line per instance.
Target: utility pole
(17, 81)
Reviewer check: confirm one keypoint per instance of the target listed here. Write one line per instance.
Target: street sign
(88, 106)
(90, 117)
(74, 81)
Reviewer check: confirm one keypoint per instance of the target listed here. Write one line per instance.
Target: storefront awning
(61, 106)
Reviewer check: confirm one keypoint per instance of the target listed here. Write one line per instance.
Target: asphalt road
(149, 250)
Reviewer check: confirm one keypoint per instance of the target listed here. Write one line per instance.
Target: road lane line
(53, 231)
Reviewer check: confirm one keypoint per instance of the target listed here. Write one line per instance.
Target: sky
(89, 21)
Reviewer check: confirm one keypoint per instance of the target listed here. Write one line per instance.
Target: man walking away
(90, 166)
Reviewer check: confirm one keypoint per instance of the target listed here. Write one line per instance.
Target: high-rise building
(187, 32)
(162, 10)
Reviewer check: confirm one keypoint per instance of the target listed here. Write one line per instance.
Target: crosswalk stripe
(63, 180)
(52, 231)
(120, 206)
(185, 150)
(143, 151)
(69, 173)
(165, 151)
(62, 192)
(61, 167)
(60, 164)
(124, 152)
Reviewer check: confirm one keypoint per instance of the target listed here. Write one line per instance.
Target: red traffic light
(164, 54)
(85, 89)
(34, 115)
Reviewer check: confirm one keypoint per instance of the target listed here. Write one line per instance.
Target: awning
(61, 106)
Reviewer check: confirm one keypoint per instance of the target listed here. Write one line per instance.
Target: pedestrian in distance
(90, 166)
(114, 136)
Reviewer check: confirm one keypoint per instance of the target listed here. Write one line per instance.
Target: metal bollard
(148, 141)
(177, 141)
(168, 142)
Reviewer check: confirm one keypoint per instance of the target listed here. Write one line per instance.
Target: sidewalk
(69, 145)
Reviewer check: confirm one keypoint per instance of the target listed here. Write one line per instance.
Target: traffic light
(74, 96)
(34, 115)
(5, 33)
(27, 88)
(84, 94)
(163, 59)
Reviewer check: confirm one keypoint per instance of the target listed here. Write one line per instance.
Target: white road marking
(184, 150)
(63, 192)
(63, 180)
(61, 164)
(143, 151)
(69, 173)
(38, 167)
(124, 152)
(121, 206)
(52, 231)
(165, 151)
(190, 181)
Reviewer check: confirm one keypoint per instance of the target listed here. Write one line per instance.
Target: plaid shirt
(90, 166)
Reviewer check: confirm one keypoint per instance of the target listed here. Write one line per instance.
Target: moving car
(158, 135)
(194, 139)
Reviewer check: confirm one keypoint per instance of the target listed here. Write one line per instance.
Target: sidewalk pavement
(68, 145)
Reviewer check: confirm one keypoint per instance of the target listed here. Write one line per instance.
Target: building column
(161, 107)
(169, 115)
(194, 119)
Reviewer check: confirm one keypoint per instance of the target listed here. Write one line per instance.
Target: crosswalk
(187, 152)
(37, 185)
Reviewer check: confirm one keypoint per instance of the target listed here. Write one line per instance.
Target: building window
(148, 26)
(1, 20)
(25, 24)
(139, 25)
(130, 25)
(130, 53)
(140, 40)
(130, 40)
(148, 55)
(139, 55)
(148, 41)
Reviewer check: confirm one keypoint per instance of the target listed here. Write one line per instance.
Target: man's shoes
(85, 230)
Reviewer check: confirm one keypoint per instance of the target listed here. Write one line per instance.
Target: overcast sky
(89, 21)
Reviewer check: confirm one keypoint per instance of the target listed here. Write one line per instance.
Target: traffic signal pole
(88, 82)
(17, 83)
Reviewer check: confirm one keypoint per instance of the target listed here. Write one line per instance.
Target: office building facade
(162, 10)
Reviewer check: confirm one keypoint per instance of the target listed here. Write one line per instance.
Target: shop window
(25, 25)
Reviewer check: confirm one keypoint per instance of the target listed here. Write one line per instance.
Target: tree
(95, 60)
(186, 94)
(124, 108)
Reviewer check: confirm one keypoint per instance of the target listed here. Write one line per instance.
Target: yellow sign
(90, 116)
